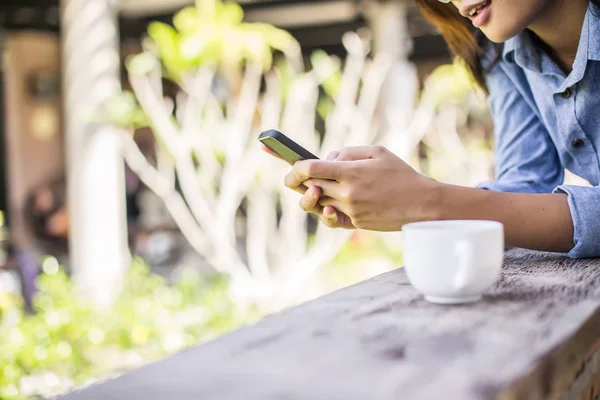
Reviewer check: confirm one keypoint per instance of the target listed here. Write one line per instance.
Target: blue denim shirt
(546, 121)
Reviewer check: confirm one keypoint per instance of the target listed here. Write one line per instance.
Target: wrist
(448, 202)
(436, 202)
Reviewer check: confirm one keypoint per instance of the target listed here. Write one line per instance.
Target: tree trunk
(388, 21)
(96, 186)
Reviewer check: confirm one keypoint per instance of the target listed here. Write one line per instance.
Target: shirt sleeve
(526, 160)
(584, 203)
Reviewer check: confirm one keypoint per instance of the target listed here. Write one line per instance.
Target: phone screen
(285, 147)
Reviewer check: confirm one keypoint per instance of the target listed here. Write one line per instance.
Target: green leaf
(187, 20)
(168, 43)
(229, 14)
(231, 48)
(277, 38)
(202, 45)
(207, 9)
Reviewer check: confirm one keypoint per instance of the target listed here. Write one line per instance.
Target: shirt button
(566, 94)
(578, 143)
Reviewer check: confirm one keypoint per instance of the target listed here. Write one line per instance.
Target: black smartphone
(285, 147)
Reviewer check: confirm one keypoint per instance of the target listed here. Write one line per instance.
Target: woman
(540, 63)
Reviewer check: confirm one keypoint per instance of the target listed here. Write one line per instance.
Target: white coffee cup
(453, 262)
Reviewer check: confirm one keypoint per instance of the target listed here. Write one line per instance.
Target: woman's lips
(482, 16)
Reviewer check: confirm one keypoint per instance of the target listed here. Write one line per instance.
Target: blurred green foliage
(450, 83)
(123, 110)
(68, 341)
(331, 69)
(213, 32)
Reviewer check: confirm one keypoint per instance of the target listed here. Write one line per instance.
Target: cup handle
(465, 252)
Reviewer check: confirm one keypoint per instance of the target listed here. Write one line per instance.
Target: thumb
(360, 153)
(332, 156)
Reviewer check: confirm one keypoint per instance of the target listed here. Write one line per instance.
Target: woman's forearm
(533, 221)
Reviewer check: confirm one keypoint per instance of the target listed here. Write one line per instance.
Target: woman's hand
(311, 196)
(370, 187)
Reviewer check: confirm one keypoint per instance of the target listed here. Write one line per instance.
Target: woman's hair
(463, 39)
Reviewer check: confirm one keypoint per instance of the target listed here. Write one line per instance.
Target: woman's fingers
(338, 205)
(300, 189)
(304, 170)
(321, 169)
(328, 188)
(336, 219)
(314, 199)
(292, 180)
(327, 199)
(329, 216)
(310, 201)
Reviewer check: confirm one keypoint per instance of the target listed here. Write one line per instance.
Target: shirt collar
(523, 50)
(594, 32)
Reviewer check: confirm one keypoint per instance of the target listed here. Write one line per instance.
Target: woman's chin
(498, 35)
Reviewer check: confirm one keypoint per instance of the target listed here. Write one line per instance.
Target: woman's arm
(533, 221)
(378, 191)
